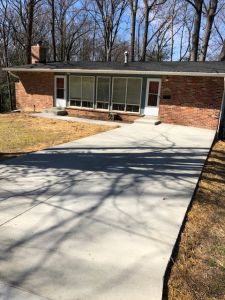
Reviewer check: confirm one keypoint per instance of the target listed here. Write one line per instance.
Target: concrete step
(148, 120)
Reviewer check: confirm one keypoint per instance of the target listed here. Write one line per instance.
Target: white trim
(121, 72)
(65, 90)
(152, 110)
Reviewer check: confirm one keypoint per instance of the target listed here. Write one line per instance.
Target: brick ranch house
(185, 93)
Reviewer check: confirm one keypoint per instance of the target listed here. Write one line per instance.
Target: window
(103, 92)
(134, 86)
(126, 94)
(119, 93)
(60, 88)
(88, 84)
(75, 91)
(82, 91)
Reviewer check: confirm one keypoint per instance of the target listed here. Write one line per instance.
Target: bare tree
(187, 49)
(222, 53)
(94, 29)
(197, 5)
(173, 17)
(108, 15)
(30, 17)
(148, 7)
(5, 36)
(21, 18)
(52, 6)
(133, 8)
(210, 15)
(71, 24)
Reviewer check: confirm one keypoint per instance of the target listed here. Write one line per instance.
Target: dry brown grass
(22, 133)
(199, 270)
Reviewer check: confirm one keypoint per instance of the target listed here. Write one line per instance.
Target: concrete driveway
(97, 218)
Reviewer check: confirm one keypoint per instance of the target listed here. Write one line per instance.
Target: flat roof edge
(124, 72)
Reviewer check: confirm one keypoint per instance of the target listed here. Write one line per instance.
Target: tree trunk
(172, 30)
(222, 53)
(133, 28)
(53, 29)
(62, 39)
(138, 41)
(210, 19)
(108, 54)
(6, 61)
(30, 13)
(196, 31)
(7, 73)
(145, 36)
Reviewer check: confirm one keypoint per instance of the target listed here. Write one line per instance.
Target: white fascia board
(123, 72)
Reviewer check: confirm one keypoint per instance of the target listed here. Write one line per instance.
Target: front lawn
(199, 268)
(22, 133)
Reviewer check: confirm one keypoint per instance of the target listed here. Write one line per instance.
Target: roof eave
(123, 72)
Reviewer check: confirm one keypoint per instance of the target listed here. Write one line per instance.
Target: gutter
(124, 72)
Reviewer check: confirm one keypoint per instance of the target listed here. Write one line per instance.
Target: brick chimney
(39, 53)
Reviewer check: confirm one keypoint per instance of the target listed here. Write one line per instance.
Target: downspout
(221, 123)
(17, 77)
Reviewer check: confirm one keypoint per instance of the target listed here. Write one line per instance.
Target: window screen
(153, 93)
(119, 90)
(60, 88)
(126, 94)
(103, 87)
(82, 91)
(88, 88)
(133, 91)
(103, 92)
(153, 87)
(60, 83)
(75, 87)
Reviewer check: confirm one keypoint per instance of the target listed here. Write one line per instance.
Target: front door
(152, 97)
(60, 91)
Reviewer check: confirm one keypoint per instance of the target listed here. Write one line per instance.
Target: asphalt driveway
(97, 218)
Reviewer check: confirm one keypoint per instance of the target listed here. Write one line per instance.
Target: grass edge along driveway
(22, 133)
(199, 268)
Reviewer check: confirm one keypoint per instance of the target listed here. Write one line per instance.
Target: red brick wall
(100, 115)
(195, 101)
(34, 89)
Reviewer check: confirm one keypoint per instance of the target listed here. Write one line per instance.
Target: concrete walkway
(77, 119)
(97, 218)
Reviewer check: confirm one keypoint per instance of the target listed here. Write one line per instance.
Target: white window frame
(152, 110)
(147, 89)
(125, 108)
(65, 87)
(81, 100)
(110, 80)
